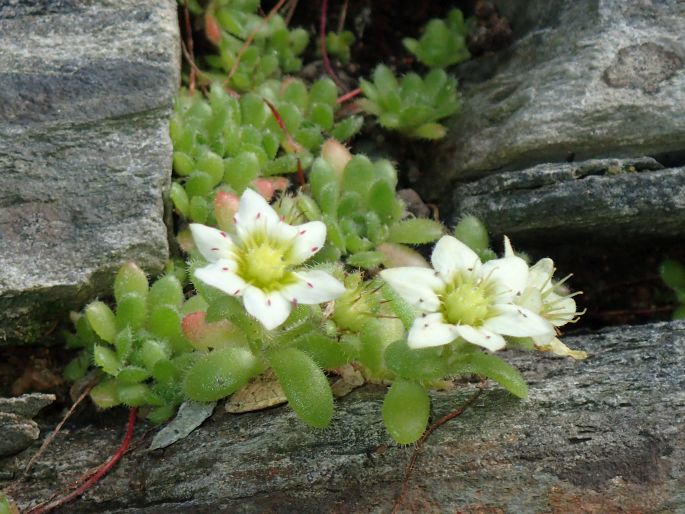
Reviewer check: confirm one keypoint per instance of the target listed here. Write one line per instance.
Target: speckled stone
(602, 435)
(584, 79)
(86, 89)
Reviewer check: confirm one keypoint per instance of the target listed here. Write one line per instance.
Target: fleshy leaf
(305, 386)
(406, 408)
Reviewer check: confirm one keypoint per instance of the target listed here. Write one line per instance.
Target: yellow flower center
(467, 304)
(263, 266)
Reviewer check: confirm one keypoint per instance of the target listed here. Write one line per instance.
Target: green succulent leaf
(415, 364)
(406, 408)
(220, 373)
(102, 320)
(304, 384)
(489, 366)
(415, 231)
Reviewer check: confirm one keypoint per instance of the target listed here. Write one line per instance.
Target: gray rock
(26, 405)
(600, 199)
(16, 427)
(86, 90)
(17, 433)
(585, 79)
(602, 435)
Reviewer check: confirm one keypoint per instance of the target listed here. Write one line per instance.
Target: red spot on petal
(314, 249)
(259, 215)
(224, 269)
(293, 302)
(236, 292)
(223, 234)
(282, 218)
(302, 232)
(215, 249)
(268, 302)
(309, 284)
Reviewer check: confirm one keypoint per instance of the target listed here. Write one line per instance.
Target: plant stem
(101, 471)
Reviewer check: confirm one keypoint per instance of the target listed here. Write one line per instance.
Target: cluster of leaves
(275, 49)
(221, 133)
(139, 347)
(339, 43)
(365, 220)
(156, 349)
(673, 274)
(413, 105)
(443, 42)
(161, 345)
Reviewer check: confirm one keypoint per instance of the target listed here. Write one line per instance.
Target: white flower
(540, 296)
(463, 297)
(257, 263)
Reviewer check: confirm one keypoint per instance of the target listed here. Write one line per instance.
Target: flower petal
(451, 255)
(313, 287)
(431, 330)
(271, 309)
(558, 348)
(254, 212)
(513, 320)
(509, 275)
(212, 243)
(221, 274)
(416, 285)
(482, 337)
(540, 274)
(559, 309)
(308, 240)
(508, 250)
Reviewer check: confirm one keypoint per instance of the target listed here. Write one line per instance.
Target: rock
(16, 427)
(17, 433)
(86, 89)
(26, 405)
(602, 435)
(586, 79)
(603, 200)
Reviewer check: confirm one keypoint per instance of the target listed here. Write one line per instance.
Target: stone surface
(26, 405)
(602, 435)
(17, 433)
(86, 89)
(584, 79)
(16, 427)
(601, 200)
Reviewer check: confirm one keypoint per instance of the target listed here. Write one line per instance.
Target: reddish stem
(251, 37)
(300, 173)
(412, 462)
(101, 471)
(348, 96)
(296, 147)
(324, 51)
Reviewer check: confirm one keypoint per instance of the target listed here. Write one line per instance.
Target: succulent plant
(292, 287)
(274, 50)
(339, 43)
(443, 42)
(225, 143)
(412, 105)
